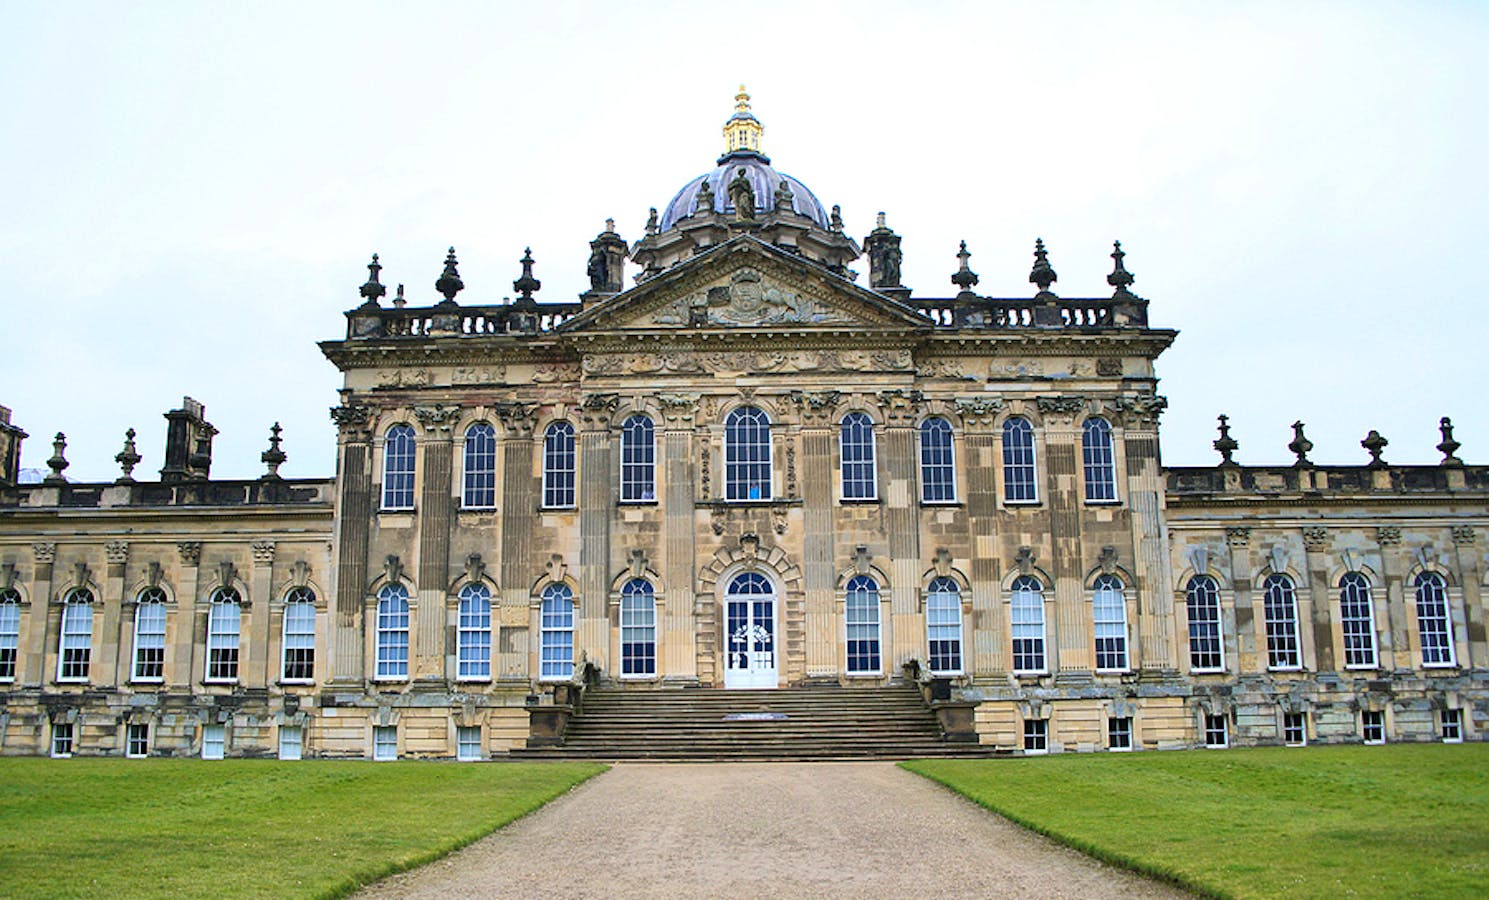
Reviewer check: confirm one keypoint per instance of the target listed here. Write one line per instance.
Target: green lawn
(233, 828)
(1409, 819)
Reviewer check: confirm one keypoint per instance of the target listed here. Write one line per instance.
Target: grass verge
(248, 828)
(1402, 820)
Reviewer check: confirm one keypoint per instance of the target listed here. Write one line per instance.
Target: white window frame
(1434, 582)
(150, 601)
(943, 618)
(1036, 737)
(296, 602)
(473, 634)
(1113, 730)
(384, 743)
(1373, 720)
(224, 622)
(75, 640)
(10, 633)
(1099, 461)
(291, 742)
(560, 465)
(63, 740)
(1216, 725)
(638, 629)
(391, 656)
(638, 459)
(1452, 726)
(1295, 729)
(136, 748)
(748, 478)
(861, 625)
(1014, 462)
(858, 458)
(937, 462)
(478, 467)
(1211, 599)
(1355, 592)
(214, 741)
(1280, 595)
(1109, 594)
(400, 464)
(556, 633)
(1028, 623)
(468, 743)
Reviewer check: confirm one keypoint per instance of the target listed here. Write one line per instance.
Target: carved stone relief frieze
(398, 378)
(494, 374)
(750, 300)
(555, 372)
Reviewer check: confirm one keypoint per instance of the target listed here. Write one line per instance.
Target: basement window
(385, 742)
(468, 743)
(1294, 729)
(1373, 726)
(1036, 735)
(137, 741)
(1216, 737)
(1452, 726)
(62, 740)
(1119, 733)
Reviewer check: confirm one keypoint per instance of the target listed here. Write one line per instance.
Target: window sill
(395, 510)
(219, 682)
(1284, 668)
(390, 679)
(1127, 749)
(1456, 740)
(147, 682)
(1103, 502)
(72, 681)
(1022, 503)
(478, 509)
(950, 673)
(651, 502)
(1220, 671)
(649, 676)
(859, 501)
(552, 509)
(1440, 666)
(473, 679)
(296, 682)
(941, 504)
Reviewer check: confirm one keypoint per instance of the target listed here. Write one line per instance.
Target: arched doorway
(751, 659)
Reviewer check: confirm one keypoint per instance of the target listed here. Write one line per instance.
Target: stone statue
(598, 270)
(742, 195)
(785, 200)
(651, 221)
(891, 265)
(703, 202)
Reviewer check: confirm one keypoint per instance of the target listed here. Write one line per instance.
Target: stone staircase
(706, 724)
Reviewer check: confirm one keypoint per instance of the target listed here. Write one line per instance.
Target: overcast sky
(189, 192)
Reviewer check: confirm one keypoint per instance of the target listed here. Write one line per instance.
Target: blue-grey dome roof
(762, 178)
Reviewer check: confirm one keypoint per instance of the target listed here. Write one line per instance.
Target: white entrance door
(750, 633)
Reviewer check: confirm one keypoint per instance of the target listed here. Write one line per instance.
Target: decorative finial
(836, 219)
(1121, 279)
(651, 221)
(373, 290)
(449, 282)
(964, 278)
(742, 131)
(200, 459)
(399, 300)
(127, 458)
(1374, 443)
(1300, 445)
(1042, 275)
(58, 462)
(879, 220)
(1225, 445)
(273, 457)
(609, 226)
(702, 202)
(527, 284)
(1448, 447)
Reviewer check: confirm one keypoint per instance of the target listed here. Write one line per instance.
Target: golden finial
(742, 131)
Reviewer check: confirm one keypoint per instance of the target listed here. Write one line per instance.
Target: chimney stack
(187, 433)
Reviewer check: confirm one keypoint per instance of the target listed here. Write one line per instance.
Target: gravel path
(764, 829)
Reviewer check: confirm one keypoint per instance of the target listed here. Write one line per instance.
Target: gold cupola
(742, 131)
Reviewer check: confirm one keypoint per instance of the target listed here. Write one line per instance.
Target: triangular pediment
(746, 284)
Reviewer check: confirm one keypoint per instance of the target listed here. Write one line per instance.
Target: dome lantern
(742, 131)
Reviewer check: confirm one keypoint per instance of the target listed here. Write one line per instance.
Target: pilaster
(188, 590)
(436, 513)
(1316, 543)
(1390, 610)
(519, 515)
(1467, 559)
(1145, 497)
(902, 526)
(33, 672)
(596, 508)
(353, 523)
(105, 672)
(819, 577)
(256, 671)
(677, 654)
(1240, 631)
(1071, 645)
(987, 627)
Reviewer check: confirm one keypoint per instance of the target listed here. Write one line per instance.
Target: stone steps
(809, 723)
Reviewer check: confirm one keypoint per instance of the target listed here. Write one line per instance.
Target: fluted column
(519, 514)
(436, 512)
(106, 672)
(1145, 496)
(987, 627)
(1473, 601)
(353, 523)
(819, 579)
(907, 638)
(597, 500)
(679, 653)
(1072, 641)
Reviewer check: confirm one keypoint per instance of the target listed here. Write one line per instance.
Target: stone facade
(746, 469)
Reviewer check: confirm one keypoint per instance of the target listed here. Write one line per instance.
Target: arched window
(862, 614)
(556, 641)
(747, 455)
(223, 624)
(1434, 624)
(10, 632)
(1100, 461)
(398, 468)
(77, 636)
(856, 447)
(1027, 609)
(480, 467)
(943, 621)
(1280, 610)
(638, 628)
(638, 460)
(473, 637)
(937, 469)
(558, 466)
(1019, 477)
(149, 635)
(1109, 614)
(1202, 600)
(298, 660)
(1357, 621)
(392, 632)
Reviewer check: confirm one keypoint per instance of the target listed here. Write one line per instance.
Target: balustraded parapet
(1059, 312)
(440, 321)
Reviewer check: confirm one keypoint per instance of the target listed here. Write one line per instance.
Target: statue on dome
(742, 195)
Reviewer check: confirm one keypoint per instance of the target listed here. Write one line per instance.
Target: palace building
(747, 469)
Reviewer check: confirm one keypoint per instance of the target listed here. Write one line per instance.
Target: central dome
(762, 178)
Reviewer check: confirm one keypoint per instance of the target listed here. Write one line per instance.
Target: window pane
(392, 632)
(299, 635)
(856, 446)
(1019, 484)
(149, 635)
(558, 466)
(10, 632)
(1027, 610)
(1202, 598)
(291, 741)
(556, 653)
(77, 637)
(638, 460)
(1281, 609)
(223, 623)
(1433, 622)
(937, 467)
(385, 742)
(1100, 461)
(137, 740)
(1109, 610)
(214, 741)
(398, 468)
(747, 460)
(1357, 620)
(943, 611)
(638, 628)
(467, 742)
(473, 655)
(862, 615)
(480, 467)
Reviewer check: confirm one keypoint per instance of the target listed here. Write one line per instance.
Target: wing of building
(745, 470)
